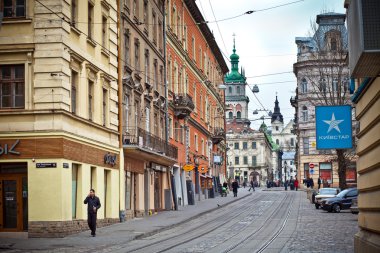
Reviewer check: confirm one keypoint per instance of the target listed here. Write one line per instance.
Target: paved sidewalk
(119, 233)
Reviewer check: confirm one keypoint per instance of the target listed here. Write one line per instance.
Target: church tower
(236, 99)
(277, 121)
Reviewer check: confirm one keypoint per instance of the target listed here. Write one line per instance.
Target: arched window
(230, 115)
(304, 114)
(230, 90)
(333, 44)
(303, 85)
(238, 115)
(237, 89)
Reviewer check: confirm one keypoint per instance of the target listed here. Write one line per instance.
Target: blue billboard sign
(333, 127)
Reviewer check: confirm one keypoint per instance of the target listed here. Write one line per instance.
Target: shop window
(74, 189)
(325, 173)
(107, 192)
(128, 190)
(12, 86)
(306, 170)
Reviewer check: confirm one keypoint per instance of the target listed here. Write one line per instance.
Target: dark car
(342, 201)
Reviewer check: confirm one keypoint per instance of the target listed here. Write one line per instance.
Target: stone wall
(44, 229)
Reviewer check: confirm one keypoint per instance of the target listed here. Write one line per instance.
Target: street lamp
(263, 110)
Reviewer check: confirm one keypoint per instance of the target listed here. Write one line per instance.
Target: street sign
(333, 127)
(311, 165)
(188, 167)
(311, 171)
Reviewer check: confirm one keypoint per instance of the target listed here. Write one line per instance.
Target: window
(90, 99)
(306, 145)
(195, 96)
(238, 90)
(154, 27)
(126, 110)
(254, 145)
(196, 142)
(147, 118)
(147, 67)
(245, 145)
(127, 48)
(276, 128)
(230, 90)
(306, 170)
(137, 55)
(155, 74)
(74, 12)
(254, 161)
(325, 173)
(74, 81)
(236, 145)
(160, 36)
(176, 131)
(230, 115)
(14, 8)
(333, 44)
(74, 189)
(135, 9)
(185, 38)
(203, 147)
(335, 85)
(277, 142)
(146, 17)
(104, 31)
(105, 99)
(304, 114)
(161, 84)
(174, 19)
(291, 141)
(12, 86)
(245, 160)
(193, 47)
(322, 85)
(90, 21)
(170, 127)
(238, 115)
(236, 160)
(303, 85)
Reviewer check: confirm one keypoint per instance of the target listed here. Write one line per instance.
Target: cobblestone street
(266, 221)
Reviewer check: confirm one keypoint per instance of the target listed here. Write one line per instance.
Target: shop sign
(333, 127)
(188, 167)
(202, 169)
(110, 159)
(46, 165)
(5, 149)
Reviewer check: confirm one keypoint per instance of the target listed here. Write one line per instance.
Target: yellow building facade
(58, 115)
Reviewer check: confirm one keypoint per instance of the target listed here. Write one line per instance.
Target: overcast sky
(265, 42)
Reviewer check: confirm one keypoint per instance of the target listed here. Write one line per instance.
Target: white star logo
(333, 123)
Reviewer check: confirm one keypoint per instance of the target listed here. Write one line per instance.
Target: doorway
(13, 197)
(157, 190)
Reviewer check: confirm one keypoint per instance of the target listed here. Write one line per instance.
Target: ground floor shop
(43, 182)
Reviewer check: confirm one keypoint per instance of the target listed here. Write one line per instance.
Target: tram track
(241, 210)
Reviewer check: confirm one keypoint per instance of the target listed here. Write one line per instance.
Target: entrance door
(13, 203)
(157, 190)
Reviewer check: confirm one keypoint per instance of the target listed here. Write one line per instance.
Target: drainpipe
(120, 99)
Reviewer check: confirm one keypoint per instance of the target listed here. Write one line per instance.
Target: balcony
(218, 136)
(183, 105)
(140, 143)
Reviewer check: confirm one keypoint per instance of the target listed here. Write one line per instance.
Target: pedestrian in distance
(252, 186)
(296, 184)
(235, 187)
(319, 183)
(311, 183)
(225, 185)
(93, 204)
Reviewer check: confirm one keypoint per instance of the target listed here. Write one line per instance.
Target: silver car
(325, 193)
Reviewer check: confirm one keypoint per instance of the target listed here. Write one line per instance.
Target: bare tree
(326, 78)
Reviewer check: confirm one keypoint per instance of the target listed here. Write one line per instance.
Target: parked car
(325, 193)
(354, 206)
(342, 201)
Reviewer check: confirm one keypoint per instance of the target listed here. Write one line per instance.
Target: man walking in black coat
(235, 187)
(93, 204)
(252, 186)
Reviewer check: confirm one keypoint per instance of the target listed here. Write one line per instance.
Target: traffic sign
(311, 165)
(312, 171)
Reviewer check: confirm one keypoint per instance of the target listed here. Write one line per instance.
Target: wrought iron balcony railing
(135, 136)
(183, 105)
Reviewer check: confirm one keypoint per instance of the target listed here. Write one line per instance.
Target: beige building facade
(364, 62)
(58, 115)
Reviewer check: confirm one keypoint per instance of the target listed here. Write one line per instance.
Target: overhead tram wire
(217, 25)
